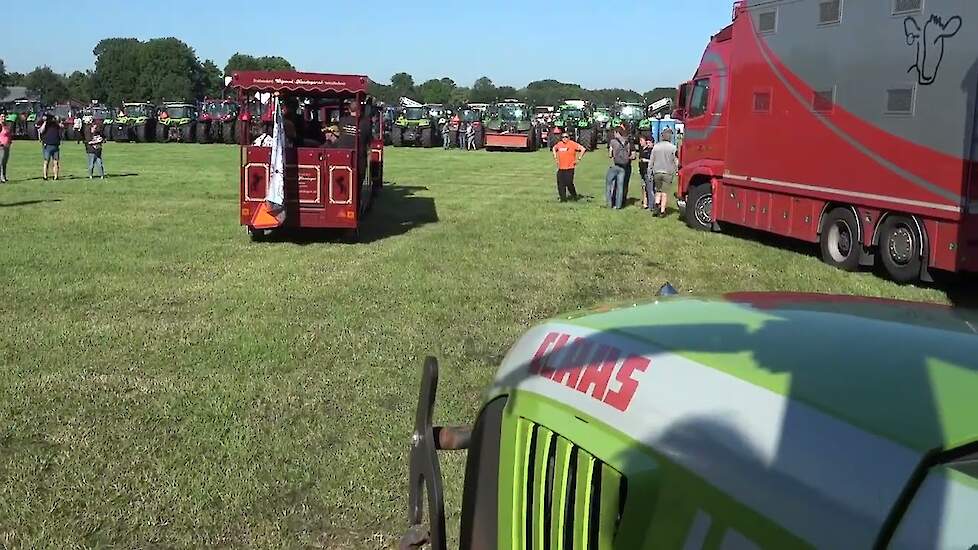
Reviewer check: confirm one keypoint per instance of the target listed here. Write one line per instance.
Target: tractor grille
(566, 497)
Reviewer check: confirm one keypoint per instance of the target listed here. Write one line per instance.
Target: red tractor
(217, 120)
(328, 134)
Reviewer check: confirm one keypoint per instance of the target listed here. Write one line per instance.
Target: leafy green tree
(381, 91)
(212, 80)
(47, 84)
(15, 79)
(80, 86)
(508, 92)
(402, 84)
(437, 90)
(3, 80)
(117, 70)
(244, 62)
(483, 91)
(168, 70)
(659, 93)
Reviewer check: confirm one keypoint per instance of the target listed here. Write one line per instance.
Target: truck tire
(699, 207)
(839, 239)
(901, 248)
(140, 132)
(203, 133)
(396, 135)
(187, 133)
(227, 131)
(426, 138)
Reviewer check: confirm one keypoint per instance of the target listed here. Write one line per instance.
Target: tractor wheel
(120, 132)
(480, 139)
(227, 131)
(31, 132)
(901, 248)
(377, 174)
(533, 142)
(585, 137)
(203, 132)
(551, 141)
(140, 133)
(396, 136)
(699, 207)
(187, 133)
(840, 239)
(161, 133)
(426, 138)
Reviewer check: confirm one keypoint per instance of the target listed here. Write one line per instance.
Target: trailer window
(823, 101)
(700, 100)
(901, 7)
(899, 101)
(830, 12)
(767, 21)
(762, 101)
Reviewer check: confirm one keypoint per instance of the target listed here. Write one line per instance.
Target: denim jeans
(446, 140)
(614, 186)
(4, 155)
(95, 159)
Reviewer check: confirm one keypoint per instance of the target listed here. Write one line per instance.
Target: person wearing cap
(567, 153)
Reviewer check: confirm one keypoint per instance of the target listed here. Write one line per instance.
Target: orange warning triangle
(264, 219)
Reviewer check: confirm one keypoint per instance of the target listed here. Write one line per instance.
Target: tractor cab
(629, 115)
(216, 121)
(575, 118)
(135, 122)
(23, 116)
(177, 122)
(324, 144)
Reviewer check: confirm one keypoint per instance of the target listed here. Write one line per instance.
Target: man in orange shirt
(567, 153)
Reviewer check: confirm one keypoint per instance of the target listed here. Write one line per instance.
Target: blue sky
(638, 44)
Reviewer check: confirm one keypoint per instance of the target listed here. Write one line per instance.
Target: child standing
(94, 149)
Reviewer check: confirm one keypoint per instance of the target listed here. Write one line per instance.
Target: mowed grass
(166, 383)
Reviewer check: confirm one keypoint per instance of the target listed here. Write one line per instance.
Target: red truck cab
(803, 120)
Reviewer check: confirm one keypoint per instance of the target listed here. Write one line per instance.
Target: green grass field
(167, 383)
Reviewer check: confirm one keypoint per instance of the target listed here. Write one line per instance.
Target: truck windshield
(470, 115)
(135, 110)
(571, 113)
(632, 112)
(102, 113)
(414, 113)
(182, 111)
(511, 112)
(219, 109)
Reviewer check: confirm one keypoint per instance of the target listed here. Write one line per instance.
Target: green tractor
(177, 122)
(629, 115)
(23, 116)
(415, 126)
(135, 122)
(602, 117)
(575, 118)
(99, 114)
(510, 127)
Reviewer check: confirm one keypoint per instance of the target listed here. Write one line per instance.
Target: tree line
(167, 69)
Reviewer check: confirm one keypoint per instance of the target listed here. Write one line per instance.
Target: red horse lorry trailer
(332, 159)
(848, 124)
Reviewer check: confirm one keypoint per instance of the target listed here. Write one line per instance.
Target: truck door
(705, 126)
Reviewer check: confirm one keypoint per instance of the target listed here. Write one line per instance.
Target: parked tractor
(98, 114)
(510, 127)
(474, 117)
(254, 117)
(135, 122)
(390, 115)
(177, 122)
(574, 118)
(217, 121)
(602, 117)
(22, 116)
(67, 113)
(629, 115)
(415, 126)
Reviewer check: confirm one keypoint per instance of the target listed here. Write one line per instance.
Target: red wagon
(332, 155)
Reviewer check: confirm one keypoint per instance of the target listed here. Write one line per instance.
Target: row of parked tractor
(209, 121)
(511, 124)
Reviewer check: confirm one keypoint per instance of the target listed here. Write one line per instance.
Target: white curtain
(276, 181)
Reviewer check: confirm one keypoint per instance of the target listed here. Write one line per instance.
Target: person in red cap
(567, 153)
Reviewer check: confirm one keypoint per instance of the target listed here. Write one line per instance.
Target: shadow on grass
(66, 177)
(395, 211)
(26, 203)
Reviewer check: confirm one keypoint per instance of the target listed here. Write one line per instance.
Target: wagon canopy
(290, 81)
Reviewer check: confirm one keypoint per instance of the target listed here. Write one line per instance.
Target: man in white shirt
(265, 139)
(664, 165)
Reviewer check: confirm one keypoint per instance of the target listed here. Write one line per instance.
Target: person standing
(456, 129)
(665, 164)
(470, 137)
(567, 154)
(446, 135)
(620, 153)
(50, 136)
(644, 158)
(76, 125)
(6, 139)
(93, 147)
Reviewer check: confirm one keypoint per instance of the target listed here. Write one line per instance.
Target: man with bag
(621, 154)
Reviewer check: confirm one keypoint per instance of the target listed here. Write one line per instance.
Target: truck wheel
(426, 138)
(256, 235)
(840, 239)
(203, 135)
(900, 248)
(699, 207)
(396, 136)
(227, 132)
